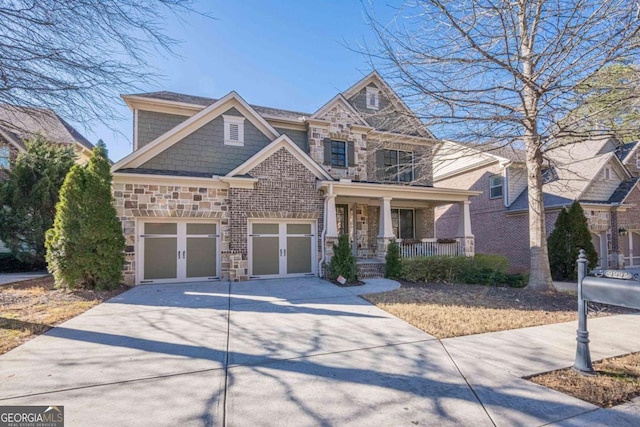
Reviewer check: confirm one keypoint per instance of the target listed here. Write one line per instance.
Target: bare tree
(503, 73)
(77, 56)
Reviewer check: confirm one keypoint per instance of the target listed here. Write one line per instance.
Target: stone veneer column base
(467, 245)
(383, 242)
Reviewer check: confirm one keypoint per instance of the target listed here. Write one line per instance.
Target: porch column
(332, 222)
(385, 228)
(464, 229)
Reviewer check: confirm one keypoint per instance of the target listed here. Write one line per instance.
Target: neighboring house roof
(21, 123)
(623, 191)
(204, 102)
(550, 200)
(624, 151)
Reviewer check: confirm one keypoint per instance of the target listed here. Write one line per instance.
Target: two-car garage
(173, 250)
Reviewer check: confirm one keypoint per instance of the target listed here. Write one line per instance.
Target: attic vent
(373, 97)
(233, 130)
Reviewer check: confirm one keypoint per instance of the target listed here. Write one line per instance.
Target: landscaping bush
(393, 264)
(482, 269)
(10, 264)
(343, 263)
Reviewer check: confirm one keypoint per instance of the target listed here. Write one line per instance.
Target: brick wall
(285, 189)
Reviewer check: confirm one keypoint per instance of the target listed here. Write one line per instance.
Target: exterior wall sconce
(622, 231)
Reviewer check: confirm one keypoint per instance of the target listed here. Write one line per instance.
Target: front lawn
(32, 307)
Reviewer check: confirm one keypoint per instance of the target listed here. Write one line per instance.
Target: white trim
(501, 186)
(281, 142)
(140, 178)
(396, 191)
(239, 182)
(161, 105)
(181, 240)
(375, 92)
(135, 129)
(338, 99)
(228, 122)
(184, 129)
(282, 236)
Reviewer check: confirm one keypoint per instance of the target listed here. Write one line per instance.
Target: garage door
(178, 251)
(279, 249)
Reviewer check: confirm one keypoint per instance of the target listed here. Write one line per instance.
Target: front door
(281, 248)
(173, 251)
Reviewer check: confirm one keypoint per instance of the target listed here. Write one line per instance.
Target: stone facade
(136, 202)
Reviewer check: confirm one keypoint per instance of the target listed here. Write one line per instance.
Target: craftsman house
(220, 189)
(601, 174)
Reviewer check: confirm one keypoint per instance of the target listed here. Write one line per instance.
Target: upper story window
(5, 158)
(233, 130)
(496, 184)
(373, 98)
(397, 165)
(607, 174)
(339, 153)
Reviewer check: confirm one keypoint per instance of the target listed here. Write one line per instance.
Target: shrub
(343, 263)
(481, 269)
(10, 264)
(393, 264)
(85, 247)
(570, 234)
(28, 199)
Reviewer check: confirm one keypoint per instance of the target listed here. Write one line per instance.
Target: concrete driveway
(277, 352)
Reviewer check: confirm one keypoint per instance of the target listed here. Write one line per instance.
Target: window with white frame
(496, 184)
(5, 157)
(373, 98)
(403, 223)
(233, 130)
(398, 165)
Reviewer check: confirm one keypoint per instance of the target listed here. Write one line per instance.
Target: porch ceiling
(435, 195)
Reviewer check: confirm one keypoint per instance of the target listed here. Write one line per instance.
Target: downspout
(324, 231)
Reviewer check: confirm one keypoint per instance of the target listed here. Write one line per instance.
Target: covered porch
(373, 214)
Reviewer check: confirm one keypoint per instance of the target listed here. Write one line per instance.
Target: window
(397, 165)
(233, 130)
(342, 218)
(402, 221)
(495, 186)
(607, 172)
(638, 160)
(338, 154)
(5, 157)
(373, 98)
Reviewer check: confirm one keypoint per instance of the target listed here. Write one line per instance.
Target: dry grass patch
(617, 381)
(446, 311)
(32, 307)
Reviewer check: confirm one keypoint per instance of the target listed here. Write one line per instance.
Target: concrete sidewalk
(296, 352)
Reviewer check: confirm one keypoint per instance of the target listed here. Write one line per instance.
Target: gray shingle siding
(298, 136)
(204, 151)
(151, 125)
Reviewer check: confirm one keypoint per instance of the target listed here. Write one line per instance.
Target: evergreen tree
(560, 246)
(28, 198)
(393, 265)
(580, 239)
(85, 247)
(343, 263)
(571, 233)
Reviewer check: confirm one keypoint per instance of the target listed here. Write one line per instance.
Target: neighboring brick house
(601, 174)
(220, 189)
(19, 124)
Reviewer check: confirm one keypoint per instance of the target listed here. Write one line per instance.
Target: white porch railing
(429, 248)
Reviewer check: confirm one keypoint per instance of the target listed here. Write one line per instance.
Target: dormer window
(233, 130)
(373, 98)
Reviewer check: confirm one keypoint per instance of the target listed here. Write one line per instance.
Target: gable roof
(625, 151)
(452, 158)
(375, 78)
(18, 124)
(283, 141)
(201, 102)
(339, 99)
(195, 122)
(623, 190)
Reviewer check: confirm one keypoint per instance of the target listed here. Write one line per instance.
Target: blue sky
(284, 54)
